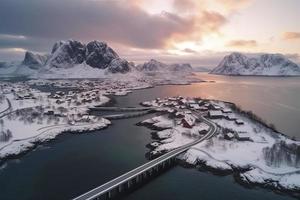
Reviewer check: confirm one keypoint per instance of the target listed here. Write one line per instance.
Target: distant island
(262, 65)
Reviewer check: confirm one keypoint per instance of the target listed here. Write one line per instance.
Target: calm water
(274, 99)
(73, 164)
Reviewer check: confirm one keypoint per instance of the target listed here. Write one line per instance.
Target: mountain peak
(67, 53)
(99, 54)
(265, 64)
(34, 60)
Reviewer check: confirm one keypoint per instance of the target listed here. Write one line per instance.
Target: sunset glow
(189, 28)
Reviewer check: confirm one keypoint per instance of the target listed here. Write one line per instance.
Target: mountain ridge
(262, 65)
(93, 59)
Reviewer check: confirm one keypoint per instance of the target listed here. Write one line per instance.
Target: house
(182, 101)
(203, 108)
(85, 118)
(58, 101)
(239, 122)
(179, 114)
(49, 112)
(231, 117)
(194, 106)
(229, 136)
(188, 112)
(188, 121)
(215, 114)
(57, 114)
(242, 136)
(56, 96)
(226, 110)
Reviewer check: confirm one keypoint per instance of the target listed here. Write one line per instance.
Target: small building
(231, 117)
(226, 110)
(229, 136)
(188, 121)
(183, 101)
(203, 108)
(49, 112)
(239, 122)
(85, 118)
(242, 136)
(179, 114)
(59, 101)
(215, 114)
(194, 106)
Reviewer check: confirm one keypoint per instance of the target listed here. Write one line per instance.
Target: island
(245, 146)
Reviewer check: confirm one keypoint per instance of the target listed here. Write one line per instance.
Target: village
(184, 109)
(39, 110)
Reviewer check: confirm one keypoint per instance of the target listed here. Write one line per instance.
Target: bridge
(144, 172)
(118, 109)
(127, 115)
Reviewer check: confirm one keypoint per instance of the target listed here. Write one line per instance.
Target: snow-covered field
(243, 145)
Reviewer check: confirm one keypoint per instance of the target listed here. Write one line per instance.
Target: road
(143, 168)
(3, 113)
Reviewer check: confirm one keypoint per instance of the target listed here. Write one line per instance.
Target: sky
(199, 32)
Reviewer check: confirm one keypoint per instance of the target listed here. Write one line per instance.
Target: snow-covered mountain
(69, 59)
(74, 59)
(31, 64)
(265, 65)
(34, 61)
(156, 66)
(76, 55)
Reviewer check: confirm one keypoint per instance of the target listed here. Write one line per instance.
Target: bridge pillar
(137, 178)
(164, 164)
(129, 184)
(144, 175)
(170, 162)
(150, 172)
(120, 188)
(108, 195)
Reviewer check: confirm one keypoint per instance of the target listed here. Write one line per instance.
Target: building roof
(215, 113)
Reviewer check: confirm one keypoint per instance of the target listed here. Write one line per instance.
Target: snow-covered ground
(36, 116)
(243, 145)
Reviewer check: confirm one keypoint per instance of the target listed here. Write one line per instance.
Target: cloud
(184, 5)
(242, 43)
(291, 35)
(233, 5)
(11, 54)
(123, 22)
(188, 50)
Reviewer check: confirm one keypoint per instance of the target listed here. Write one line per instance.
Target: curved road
(143, 168)
(3, 113)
